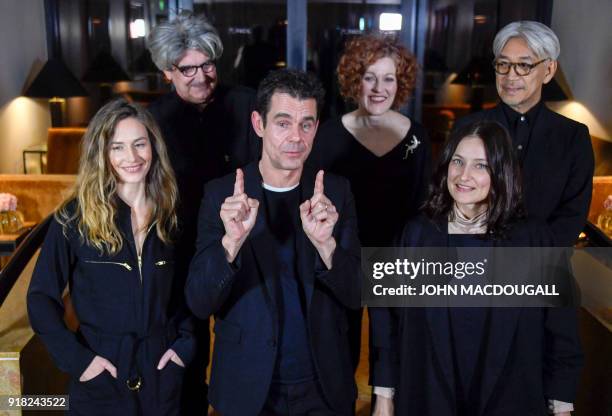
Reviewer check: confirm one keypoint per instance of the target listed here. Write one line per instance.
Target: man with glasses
(555, 152)
(557, 165)
(208, 134)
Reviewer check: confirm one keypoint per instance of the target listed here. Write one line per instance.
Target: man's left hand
(319, 216)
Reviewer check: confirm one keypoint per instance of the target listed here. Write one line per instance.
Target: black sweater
(388, 189)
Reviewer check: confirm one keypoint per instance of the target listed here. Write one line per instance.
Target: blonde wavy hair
(95, 191)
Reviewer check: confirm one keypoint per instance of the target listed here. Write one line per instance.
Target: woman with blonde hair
(110, 242)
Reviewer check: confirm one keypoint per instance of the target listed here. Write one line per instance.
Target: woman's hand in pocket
(96, 367)
(170, 355)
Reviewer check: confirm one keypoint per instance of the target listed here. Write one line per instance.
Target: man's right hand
(96, 367)
(238, 213)
(383, 406)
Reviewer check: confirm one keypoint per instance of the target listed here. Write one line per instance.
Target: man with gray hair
(208, 134)
(555, 152)
(557, 165)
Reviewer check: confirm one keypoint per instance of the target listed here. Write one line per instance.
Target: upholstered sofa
(24, 364)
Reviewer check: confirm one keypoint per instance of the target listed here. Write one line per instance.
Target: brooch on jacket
(414, 143)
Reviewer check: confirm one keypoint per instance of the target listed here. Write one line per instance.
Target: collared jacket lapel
(260, 240)
(437, 318)
(540, 144)
(501, 333)
(497, 114)
(307, 253)
(500, 336)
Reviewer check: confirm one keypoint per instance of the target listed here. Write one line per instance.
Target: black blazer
(203, 145)
(241, 297)
(530, 355)
(557, 171)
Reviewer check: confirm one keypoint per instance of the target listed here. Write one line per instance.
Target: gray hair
(168, 41)
(540, 38)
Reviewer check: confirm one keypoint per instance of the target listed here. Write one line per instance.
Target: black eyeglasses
(191, 70)
(521, 68)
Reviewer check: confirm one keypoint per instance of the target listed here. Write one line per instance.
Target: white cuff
(557, 406)
(387, 392)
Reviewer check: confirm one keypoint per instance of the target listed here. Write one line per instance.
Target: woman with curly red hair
(385, 155)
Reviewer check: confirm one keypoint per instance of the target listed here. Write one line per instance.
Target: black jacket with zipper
(127, 314)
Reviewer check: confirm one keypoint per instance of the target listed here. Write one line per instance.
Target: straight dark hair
(505, 199)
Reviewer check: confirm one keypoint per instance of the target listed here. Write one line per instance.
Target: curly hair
(505, 200)
(363, 51)
(169, 41)
(95, 189)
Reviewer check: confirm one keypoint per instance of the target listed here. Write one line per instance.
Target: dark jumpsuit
(126, 314)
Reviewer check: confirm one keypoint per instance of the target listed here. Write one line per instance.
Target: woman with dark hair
(111, 243)
(384, 154)
(464, 361)
(496, 201)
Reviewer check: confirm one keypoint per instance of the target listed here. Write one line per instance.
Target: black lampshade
(553, 92)
(55, 80)
(105, 69)
(477, 72)
(144, 63)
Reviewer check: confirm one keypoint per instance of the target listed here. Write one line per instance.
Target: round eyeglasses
(191, 70)
(520, 68)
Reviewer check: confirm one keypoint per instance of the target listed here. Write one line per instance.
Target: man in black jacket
(208, 134)
(555, 152)
(277, 263)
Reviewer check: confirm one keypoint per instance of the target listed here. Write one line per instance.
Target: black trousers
(160, 394)
(300, 399)
(354, 335)
(194, 400)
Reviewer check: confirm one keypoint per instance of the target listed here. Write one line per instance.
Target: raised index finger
(318, 188)
(239, 184)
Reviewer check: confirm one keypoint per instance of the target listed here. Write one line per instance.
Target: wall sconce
(557, 89)
(55, 82)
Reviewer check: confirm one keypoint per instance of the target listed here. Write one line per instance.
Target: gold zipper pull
(140, 267)
(161, 263)
(125, 265)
